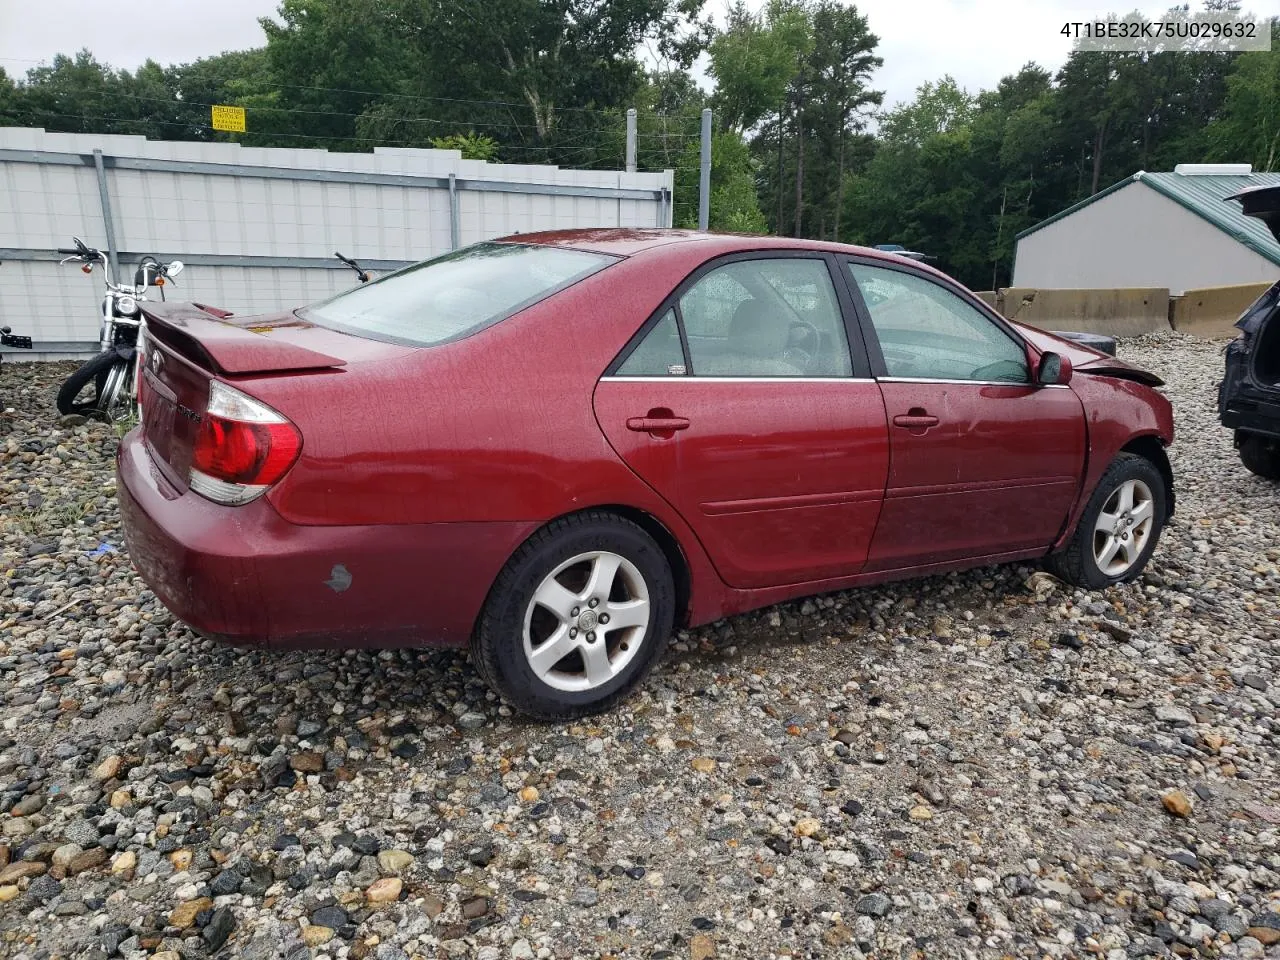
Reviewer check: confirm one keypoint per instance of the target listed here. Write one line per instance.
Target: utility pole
(631, 140)
(704, 181)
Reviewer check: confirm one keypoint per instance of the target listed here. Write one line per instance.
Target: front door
(740, 406)
(983, 461)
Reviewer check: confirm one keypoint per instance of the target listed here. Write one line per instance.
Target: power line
(335, 113)
(382, 94)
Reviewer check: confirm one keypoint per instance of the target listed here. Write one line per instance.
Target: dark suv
(1249, 395)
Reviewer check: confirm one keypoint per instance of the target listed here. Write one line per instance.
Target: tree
(1249, 128)
(547, 55)
(9, 99)
(795, 76)
(937, 108)
(841, 63)
(754, 60)
(330, 61)
(734, 206)
(238, 78)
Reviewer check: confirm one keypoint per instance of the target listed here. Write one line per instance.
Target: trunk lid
(187, 345)
(232, 345)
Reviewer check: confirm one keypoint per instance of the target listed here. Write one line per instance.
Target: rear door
(743, 405)
(983, 461)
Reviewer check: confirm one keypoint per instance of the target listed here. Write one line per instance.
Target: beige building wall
(1136, 237)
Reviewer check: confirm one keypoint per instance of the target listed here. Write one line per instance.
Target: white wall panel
(193, 213)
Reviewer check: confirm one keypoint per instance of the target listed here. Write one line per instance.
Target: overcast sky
(976, 41)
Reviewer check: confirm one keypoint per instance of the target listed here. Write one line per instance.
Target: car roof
(630, 241)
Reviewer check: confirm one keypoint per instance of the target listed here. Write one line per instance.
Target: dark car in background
(1249, 395)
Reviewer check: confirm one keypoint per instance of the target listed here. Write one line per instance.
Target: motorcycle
(106, 386)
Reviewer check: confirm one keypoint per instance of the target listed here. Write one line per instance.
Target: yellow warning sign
(228, 118)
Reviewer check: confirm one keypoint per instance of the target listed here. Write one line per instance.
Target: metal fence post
(455, 230)
(704, 180)
(631, 140)
(107, 223)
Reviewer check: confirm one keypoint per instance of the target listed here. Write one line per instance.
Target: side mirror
(1054, 370)
(174, 268)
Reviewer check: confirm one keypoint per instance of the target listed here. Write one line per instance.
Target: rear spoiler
(207, 336)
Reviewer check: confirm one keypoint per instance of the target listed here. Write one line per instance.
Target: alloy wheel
(1123, 528)
(587, 621)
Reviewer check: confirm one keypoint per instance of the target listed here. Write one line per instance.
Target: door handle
(915, 420)
(657, 424)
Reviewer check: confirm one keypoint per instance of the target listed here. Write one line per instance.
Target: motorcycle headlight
(126, 306)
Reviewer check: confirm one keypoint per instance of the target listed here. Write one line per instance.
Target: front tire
(1259, 454)
(73, 397)
(1119, 529)
(577, 618)
(99, 388)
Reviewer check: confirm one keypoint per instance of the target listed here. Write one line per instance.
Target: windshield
(454, 295)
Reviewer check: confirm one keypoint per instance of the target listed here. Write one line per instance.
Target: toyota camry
(557, 448)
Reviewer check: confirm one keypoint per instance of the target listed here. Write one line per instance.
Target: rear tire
(1259, 454)
(577, 618)
(1119, 529)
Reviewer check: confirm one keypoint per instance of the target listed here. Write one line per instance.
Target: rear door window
(455, 295)
(758, 317)
(766, 318)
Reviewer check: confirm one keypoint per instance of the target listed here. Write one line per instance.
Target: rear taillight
(242, 447)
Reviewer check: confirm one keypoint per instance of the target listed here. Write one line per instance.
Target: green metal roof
(1205, 196)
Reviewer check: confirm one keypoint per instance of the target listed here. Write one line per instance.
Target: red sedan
(555, 448)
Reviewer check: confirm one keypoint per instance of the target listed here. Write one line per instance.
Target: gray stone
(44, 888)
(226, 882)
(873, 905)
(219, 928)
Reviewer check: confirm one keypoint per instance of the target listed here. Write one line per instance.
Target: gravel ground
(980, 765)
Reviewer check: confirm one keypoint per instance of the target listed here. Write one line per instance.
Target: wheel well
(670, 548)
(1150, 448)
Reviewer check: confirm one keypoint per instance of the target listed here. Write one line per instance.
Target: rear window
(454, 295)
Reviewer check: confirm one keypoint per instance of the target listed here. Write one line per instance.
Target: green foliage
(734, 206)
(958, 176)
(796, 76)
(473, 146)
(801, 146)
(938, 108)
(755, 58)
(1249, 128)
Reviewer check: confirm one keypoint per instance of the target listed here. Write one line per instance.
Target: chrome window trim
(694, 377)
(979, 383)
(983, 383)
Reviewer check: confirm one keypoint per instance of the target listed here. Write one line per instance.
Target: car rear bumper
(247, 576)
(1243, 407)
